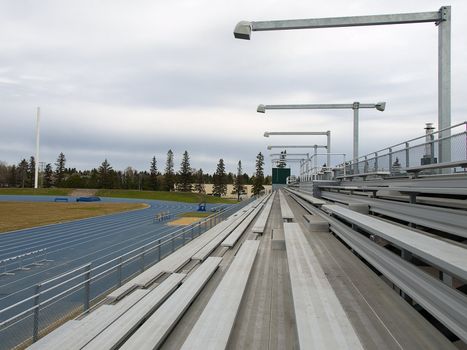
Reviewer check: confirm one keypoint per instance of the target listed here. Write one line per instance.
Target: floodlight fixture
(243, 30)
(442, 18)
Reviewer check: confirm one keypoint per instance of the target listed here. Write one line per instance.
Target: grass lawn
(163, 196)
(38, 191)
(19, 215)
(195, 214)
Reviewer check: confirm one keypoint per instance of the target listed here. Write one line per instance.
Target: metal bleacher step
(119, 330)
(154, 331)
(321, 320)
(213, 328)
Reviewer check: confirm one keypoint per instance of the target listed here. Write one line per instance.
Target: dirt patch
(184, 221)
(83, 192)
(20, 215)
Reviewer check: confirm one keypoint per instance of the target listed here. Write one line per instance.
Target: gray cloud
(127, 80)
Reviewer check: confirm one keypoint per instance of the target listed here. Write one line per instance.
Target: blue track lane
(73, 244)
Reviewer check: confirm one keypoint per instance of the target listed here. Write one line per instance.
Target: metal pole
(356, 106)
(35, 330)
(87, 287)
(119, 272)
(159, 250)
(328, 146)
(142, 259)
(36, 170)
(444, 83)
(315, 157)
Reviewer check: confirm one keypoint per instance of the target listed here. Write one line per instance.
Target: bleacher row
(449, 257)
(141, 313)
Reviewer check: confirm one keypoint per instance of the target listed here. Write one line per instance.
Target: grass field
(163, 196)
(195, 214)
(157, 195)
(19, 215)
(38, 191)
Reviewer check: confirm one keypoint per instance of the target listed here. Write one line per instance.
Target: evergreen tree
(13, 178)
(185, 174)
(4, 173)
(238, 185)
(105, 175)
(169, 176)
(220, 180)
(31, 171)
(23, 172)
(60, 169)
(199, 186)
(259, 175)
(48, 175)
(154, 185)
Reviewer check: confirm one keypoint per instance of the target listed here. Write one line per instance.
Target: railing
(64, 297)
(421, 150)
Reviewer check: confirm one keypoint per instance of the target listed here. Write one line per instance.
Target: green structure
(280, 175)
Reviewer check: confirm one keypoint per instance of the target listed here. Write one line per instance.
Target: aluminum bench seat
(212, 329)
(157, 327)
(447, 257)
(364, 175)
(51, 338)
(204, 252)
(308, 197)
(455, 164)
(452, 221)
(286, 212)
(122, 327)
(321, 320)
(235, 235)
(170, 264)
(260, 224)
(92, 325)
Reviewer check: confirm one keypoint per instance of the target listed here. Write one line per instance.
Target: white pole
(36, 175)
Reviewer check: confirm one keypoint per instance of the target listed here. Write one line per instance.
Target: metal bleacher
(356, 262)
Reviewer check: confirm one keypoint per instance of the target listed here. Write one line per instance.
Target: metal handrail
(414, 139)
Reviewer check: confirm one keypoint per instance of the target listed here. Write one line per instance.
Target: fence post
(159, 250)
(142, 259)
(390, 160)
(87, 287)
(35, 329)
(407, 160)
(119, 271)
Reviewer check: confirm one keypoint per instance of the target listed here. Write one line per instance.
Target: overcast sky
(126, 80)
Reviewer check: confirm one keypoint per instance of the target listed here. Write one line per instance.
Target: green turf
(163, 196)
(195, 214)
(34, 191)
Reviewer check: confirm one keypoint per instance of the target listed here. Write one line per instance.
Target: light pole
(442, 18)
(380, 106)
(36, 169)
(306, 133)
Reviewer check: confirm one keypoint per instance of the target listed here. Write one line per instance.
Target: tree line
(187, 179)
